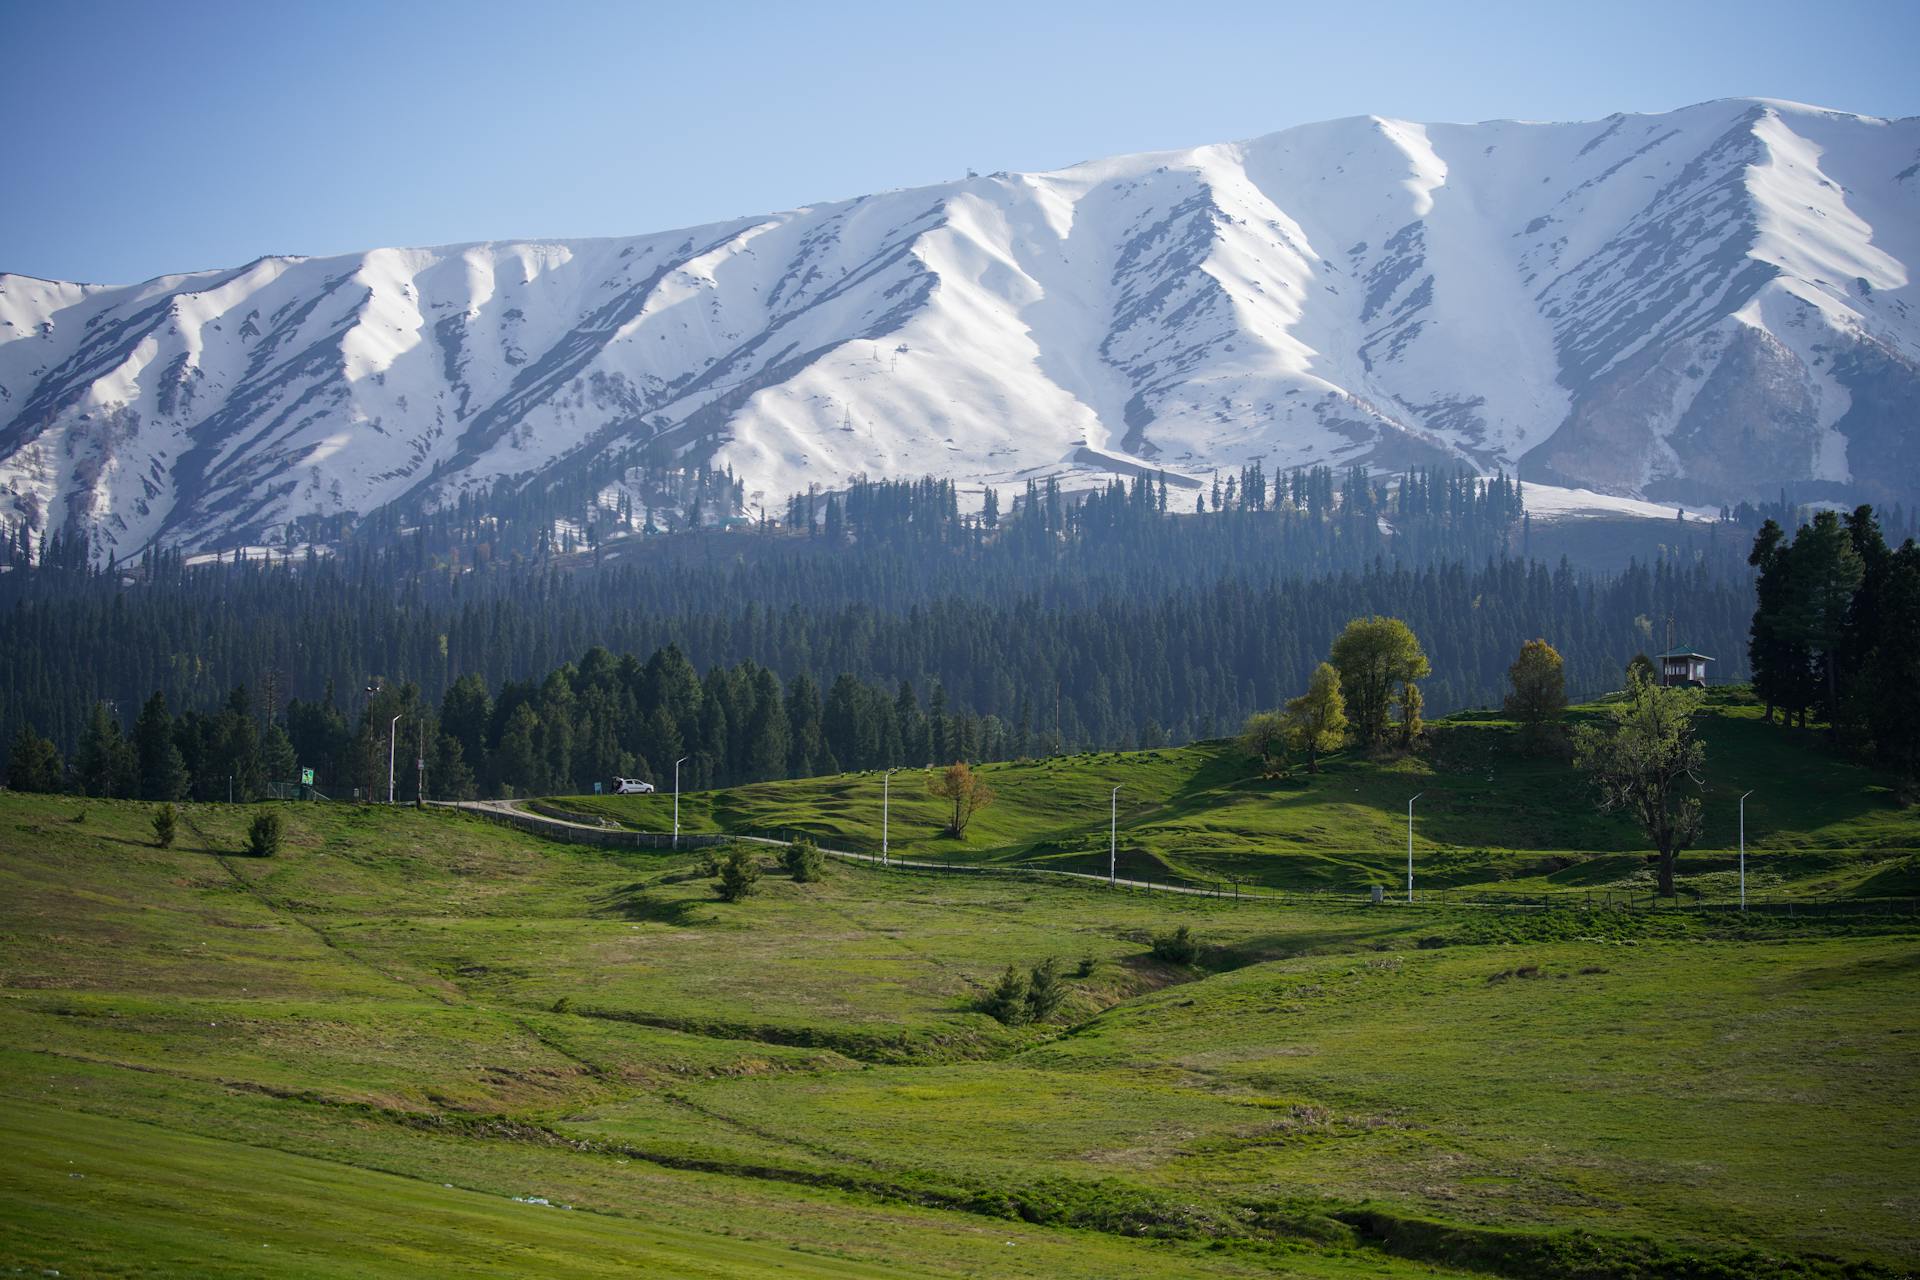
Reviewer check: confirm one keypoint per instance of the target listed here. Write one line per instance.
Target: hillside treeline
(1099, 622)
(1836, 633)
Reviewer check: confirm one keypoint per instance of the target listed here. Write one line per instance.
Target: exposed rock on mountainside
(1700, 306)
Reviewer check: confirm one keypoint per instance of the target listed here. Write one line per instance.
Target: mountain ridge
(1682, 306)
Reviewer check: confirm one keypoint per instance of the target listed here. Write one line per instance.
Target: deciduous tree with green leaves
(1264, 737)
(1539, 698)
(1316, 721)
(1379, 659)
(1649, 765)
(965, 792)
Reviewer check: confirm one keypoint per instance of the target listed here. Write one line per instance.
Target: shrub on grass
(263, 837)
(1086, 967)
(163, 822)
(803, 860)
(738, 875)
(1007, 1002)
(1045, 990)
(1178, 947)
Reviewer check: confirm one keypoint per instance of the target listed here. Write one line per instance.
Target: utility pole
(393, 743)
(1113, 839)
(676, 799)
(420, 786)
(1410, 847)
(886, 785)
(1743, 851)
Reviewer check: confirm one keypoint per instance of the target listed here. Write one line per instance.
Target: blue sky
(144, 138)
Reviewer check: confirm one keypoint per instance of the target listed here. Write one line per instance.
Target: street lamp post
(1113, 839)
(886, 796)
(1743, 851)
(1410, 846)
(676, 799)
(393, 742)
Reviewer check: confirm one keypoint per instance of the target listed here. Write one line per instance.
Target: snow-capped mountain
(1698, 306)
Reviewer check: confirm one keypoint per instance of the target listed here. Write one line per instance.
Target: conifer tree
(105, 764)
(33, 762)
(163, 770)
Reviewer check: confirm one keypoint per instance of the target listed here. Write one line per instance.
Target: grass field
(1491, 818)
(417, 1043)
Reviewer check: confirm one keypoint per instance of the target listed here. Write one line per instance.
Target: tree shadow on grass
(176, 847)
(634, 902)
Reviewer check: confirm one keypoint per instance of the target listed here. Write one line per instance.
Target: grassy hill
(1492, 818)
(418, 1042)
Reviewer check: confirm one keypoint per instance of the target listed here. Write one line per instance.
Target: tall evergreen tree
(1826, 573)
(105, 764)
(33, 762)
(163, 770)
(1779, 660)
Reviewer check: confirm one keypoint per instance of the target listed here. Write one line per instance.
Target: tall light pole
(1743, 851)
(1113, 839)
(676, 799)
(393, 741)
(886, 795)
(1410, 845)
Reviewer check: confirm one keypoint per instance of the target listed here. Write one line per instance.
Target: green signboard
(306, 777)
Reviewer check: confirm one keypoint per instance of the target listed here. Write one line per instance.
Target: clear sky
(143, 138)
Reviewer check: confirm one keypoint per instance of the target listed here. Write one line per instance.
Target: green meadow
(421, 1043)
(1490, 818)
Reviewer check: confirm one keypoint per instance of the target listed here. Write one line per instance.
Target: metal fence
(556, 823)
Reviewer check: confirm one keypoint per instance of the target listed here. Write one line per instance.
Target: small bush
(803, 860)
(1007, 1002)
(563, 1005)
(1086, 967)
(1045, 990)
(709, 862)
(263, 837)
(738, 875)
(1178, 947)
(163, 823)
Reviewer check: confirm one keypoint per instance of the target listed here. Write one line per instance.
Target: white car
(631, 787)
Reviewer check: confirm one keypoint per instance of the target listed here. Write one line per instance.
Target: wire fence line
(590, 830)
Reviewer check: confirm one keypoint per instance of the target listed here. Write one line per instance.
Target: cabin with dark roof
(1683, 668)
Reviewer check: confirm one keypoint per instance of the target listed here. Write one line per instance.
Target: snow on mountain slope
(1698, 306)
